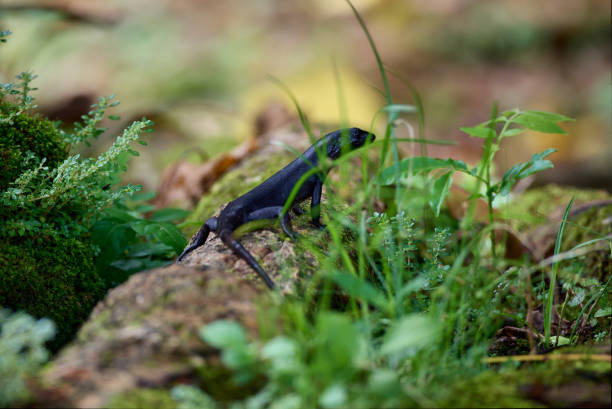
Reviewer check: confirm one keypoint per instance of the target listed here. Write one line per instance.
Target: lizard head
(354, 136)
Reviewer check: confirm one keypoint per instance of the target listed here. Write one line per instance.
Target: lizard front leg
(240, 251)
(210, 225)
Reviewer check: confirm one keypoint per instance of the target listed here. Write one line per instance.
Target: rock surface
(144, 333)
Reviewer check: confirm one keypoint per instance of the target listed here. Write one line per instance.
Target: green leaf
(190, 397)
(440, 191)
(560, 340)
(522, 170)
(223, 334)
(148, 249)
(479, 131)
(420, 164)
(409, 334)
(360, 289)
(538, 123)
(168, 234)
(282, 353)
(112, 236)
(169, 215)
(139, 226)
(512, 132)
(550, 116)
(337, 343)
(334, 396)
(603, 312)
(143, 196)
(115, 213)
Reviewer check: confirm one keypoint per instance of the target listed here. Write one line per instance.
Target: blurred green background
(199, 69)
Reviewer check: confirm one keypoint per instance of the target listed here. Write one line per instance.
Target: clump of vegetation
(22, 352)
(59, 212)
(407, 312)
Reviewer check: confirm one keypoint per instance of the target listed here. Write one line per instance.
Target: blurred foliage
(56, 218)
(129, 242)
(205, 63)
(22, 352)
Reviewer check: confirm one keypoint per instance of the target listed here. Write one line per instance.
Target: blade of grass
(553, 276)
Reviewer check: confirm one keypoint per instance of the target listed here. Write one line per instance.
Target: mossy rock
(24, 134)
(553, 383)
(50, 277)
(534, 207)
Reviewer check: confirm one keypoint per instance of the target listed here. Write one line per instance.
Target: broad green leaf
(550, 116)
(538, 123)
(334, 396)
(112, 236)
(440, 191)
(420, 164)
(384, 382)
(143, 208)
(224, 333)
(191, 397)
(337, 343)
(143, 196)
(409, 334)
(479, 131)
(603, 312)
(560, 340)
(168, 234)
(360, 289)
(148, 249)
(512, 132)
(169, 215)
(140, 225)
(522, 170)
(114, 213)
(282, 353)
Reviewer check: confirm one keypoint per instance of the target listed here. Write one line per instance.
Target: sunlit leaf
(223, 333)
(538, 123)
(419, 164)
(440, 191)
(479, 131)
(522, 170)
(409, 334)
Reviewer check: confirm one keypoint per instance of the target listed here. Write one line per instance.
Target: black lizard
(266, 200)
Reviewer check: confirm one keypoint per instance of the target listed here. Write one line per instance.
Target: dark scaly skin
(266, 200)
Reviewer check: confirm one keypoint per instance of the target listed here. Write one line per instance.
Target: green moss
(143, 398)
(27, 134)
(587, 226)
(537, 384)
(535, 206)
(49, 277)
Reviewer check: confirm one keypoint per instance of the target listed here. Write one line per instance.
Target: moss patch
(27, 134)
(49, 277)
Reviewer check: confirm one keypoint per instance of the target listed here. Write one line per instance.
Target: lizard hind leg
(201, 236)
(244, 254)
